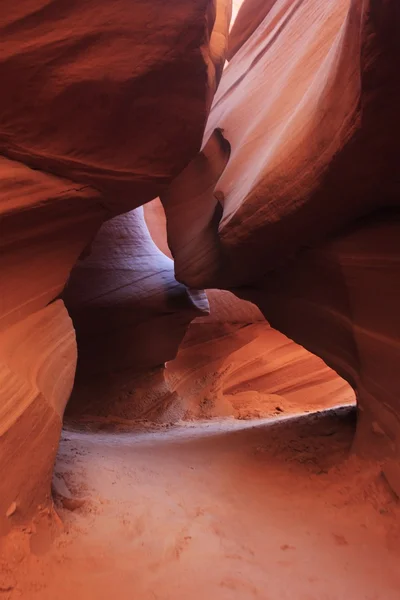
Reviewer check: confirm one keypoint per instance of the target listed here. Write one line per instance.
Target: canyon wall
(233, 364)
(309, 107)
(285, 192)
(308, 104)
(130, 315)
(101, 93)
(341, 301)
(103, 105)
(45, 224)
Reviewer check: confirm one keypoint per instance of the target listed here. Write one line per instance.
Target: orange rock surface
(308, 104)
(45, 223)
(263, 190)
(309, 107)
(94, 121)
(99, 92)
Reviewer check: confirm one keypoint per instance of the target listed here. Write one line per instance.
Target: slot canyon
(200, 300)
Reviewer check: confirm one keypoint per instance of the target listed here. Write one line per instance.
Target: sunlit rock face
(308, 104)
(231, 363)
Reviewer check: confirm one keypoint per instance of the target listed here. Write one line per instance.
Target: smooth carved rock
(193, 213)
(112, 98)
(114, 95)
(37, 368)
(301, 142)
(130, 316)
(251, 14)
(232, 363)
(341, 302)
(155, 218)
(45, 223)
(309, 106)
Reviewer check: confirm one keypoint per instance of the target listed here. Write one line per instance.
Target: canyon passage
(199, 292)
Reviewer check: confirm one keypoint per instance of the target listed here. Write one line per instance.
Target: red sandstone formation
(309, 106)
(45, 224)
(130, 315)
(250, 15)
(104, 109)
(103, 93)
(341, 301)
(232, 363)
(114, 99)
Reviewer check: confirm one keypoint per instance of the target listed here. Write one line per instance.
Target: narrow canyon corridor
(199, 300)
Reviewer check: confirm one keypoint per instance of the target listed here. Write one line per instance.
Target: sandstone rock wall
(114, 94)
(232, 363)
(102, 106)
(309, 105)
(341, 301)
(130, 316)
(45, 223)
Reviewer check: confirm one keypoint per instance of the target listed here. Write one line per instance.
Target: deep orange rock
(111, 94)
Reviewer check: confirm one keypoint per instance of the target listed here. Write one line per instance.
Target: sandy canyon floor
(224, 509)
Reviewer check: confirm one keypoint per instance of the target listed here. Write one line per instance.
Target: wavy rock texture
(301, 142)
(45, 224)
(37, 367)
(120, 92)
(192, 214)
(129, 311)
(309, 106)
(341, 301)
(130, 316)
(113, 98)
(232, 363)
(249, 15)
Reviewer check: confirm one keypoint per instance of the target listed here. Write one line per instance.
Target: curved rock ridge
(193, 213)
(155, 218)
(45, 224)
(105, 108)
(116, 291)
(309, 107)
(249, 15)
(232, 363)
